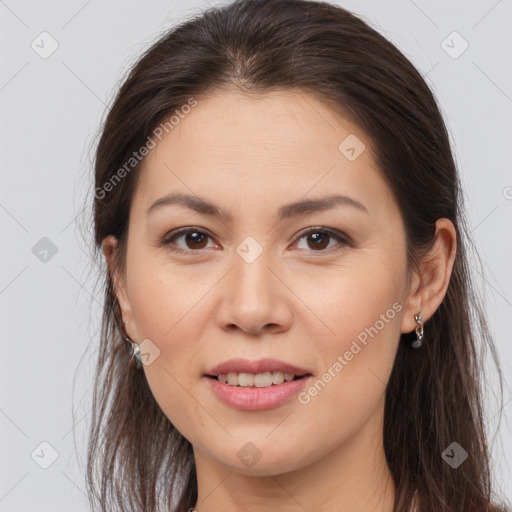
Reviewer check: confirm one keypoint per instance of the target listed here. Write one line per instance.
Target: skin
(295, 302)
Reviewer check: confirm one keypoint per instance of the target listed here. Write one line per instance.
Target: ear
(430, 282)
(110, 245)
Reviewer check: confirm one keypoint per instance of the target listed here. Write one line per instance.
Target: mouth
(257, 380)
(262, 373)
(256, 391)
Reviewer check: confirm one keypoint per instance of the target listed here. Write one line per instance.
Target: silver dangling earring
(135, 346)
(419, 331)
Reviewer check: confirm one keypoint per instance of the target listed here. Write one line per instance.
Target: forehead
(237, 127)
(279, 144)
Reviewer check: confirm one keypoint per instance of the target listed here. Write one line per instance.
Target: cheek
(165, 314)
(359, 300)
(163, 296)
(168, 306)
(361, 304)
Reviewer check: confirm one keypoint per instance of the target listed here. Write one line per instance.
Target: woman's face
(261, 279)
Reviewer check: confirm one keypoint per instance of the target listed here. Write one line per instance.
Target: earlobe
(430, 284)
(413, 304)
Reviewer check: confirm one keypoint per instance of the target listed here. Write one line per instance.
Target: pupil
(193, 238)
(318, 238)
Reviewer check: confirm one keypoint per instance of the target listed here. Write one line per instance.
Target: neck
(354, 477)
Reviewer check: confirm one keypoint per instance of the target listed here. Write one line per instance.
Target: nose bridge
(252, 278)
(252, 296)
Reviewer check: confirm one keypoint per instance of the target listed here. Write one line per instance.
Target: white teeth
(277, 377)
(245, 379)
(259, 380)
(232, 379)
(262, 380)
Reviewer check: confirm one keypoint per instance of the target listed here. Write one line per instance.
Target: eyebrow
(301, 207)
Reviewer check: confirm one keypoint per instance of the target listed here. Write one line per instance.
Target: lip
(263, 365)
(255, 399)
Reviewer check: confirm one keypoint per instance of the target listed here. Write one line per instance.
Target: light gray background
(50, 113)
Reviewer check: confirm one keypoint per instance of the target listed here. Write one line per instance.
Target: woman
(289, 320)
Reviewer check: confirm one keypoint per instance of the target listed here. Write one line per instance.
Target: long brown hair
(137, 460)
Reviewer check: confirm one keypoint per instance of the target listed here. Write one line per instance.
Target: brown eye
(194, 239)
(318, 239)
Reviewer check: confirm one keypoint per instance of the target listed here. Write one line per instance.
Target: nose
(254, 298)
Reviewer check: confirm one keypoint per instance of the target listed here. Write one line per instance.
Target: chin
(262, 458)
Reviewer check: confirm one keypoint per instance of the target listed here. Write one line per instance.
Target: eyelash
(340, 237)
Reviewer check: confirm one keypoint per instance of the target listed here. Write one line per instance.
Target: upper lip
(261, 366)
